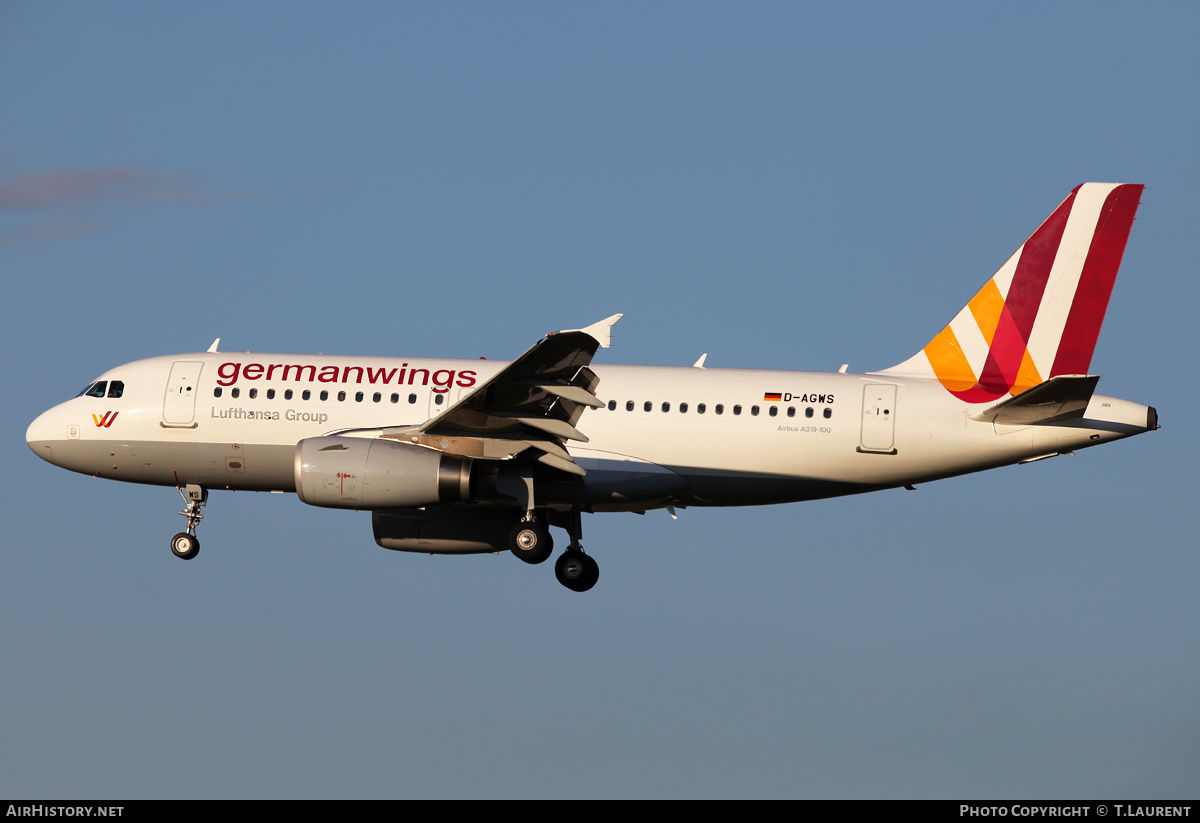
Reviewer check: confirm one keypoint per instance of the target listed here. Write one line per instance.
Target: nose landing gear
(186, 545)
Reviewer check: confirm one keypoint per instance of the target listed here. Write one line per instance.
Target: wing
(537, 400)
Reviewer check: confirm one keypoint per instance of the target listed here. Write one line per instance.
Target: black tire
(577, 571)
(593, 572)
(185, 546)
(531, 542)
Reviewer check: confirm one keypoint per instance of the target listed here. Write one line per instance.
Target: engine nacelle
(450, 530)
(373, 473)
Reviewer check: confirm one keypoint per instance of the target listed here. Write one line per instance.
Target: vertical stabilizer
(1040, 315)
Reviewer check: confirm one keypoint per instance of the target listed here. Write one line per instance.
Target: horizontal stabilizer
(1065, 397)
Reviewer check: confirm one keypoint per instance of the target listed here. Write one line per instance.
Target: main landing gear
(530, 541)
(186, 545)
(576, 570)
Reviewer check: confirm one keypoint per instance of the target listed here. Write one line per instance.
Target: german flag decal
(772, 397)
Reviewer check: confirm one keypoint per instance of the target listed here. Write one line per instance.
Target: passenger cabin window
(234, 392)
(305, 395)
(324, 395)
(828, 413)
(629, 405)
(217, 391)
(287, 394)
(254, 394)
(612, 405)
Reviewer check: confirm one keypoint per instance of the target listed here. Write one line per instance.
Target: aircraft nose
(37, 437)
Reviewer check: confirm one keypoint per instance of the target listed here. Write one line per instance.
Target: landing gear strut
(186, 545)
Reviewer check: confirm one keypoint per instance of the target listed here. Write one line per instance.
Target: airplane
(475, 456)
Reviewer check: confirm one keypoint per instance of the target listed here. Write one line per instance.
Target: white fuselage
(666, 436)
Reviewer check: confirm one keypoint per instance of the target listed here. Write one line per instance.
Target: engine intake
(373, 473)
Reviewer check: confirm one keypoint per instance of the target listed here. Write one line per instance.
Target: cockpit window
(96, 389)
(116, 388)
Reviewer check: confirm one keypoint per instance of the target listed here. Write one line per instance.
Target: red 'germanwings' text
(442, 380)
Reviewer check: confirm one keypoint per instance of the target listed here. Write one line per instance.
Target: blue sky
(780, 185)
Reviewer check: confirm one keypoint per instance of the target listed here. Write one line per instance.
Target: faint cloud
(65, 187)
(73, 189)
(54, 230)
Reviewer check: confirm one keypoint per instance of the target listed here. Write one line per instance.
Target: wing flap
(551, 447)
(550, 425)
(576, 394)
(556, 462)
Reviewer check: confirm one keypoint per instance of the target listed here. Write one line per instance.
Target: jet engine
(374, 473)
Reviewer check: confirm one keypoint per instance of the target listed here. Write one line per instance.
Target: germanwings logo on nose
(105, 421)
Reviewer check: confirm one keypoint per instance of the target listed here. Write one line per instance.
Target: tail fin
(1039, 316)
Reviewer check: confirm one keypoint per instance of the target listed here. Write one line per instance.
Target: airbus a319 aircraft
(469, 456)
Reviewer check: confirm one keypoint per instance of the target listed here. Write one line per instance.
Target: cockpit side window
(116, 388)
(96, 389)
